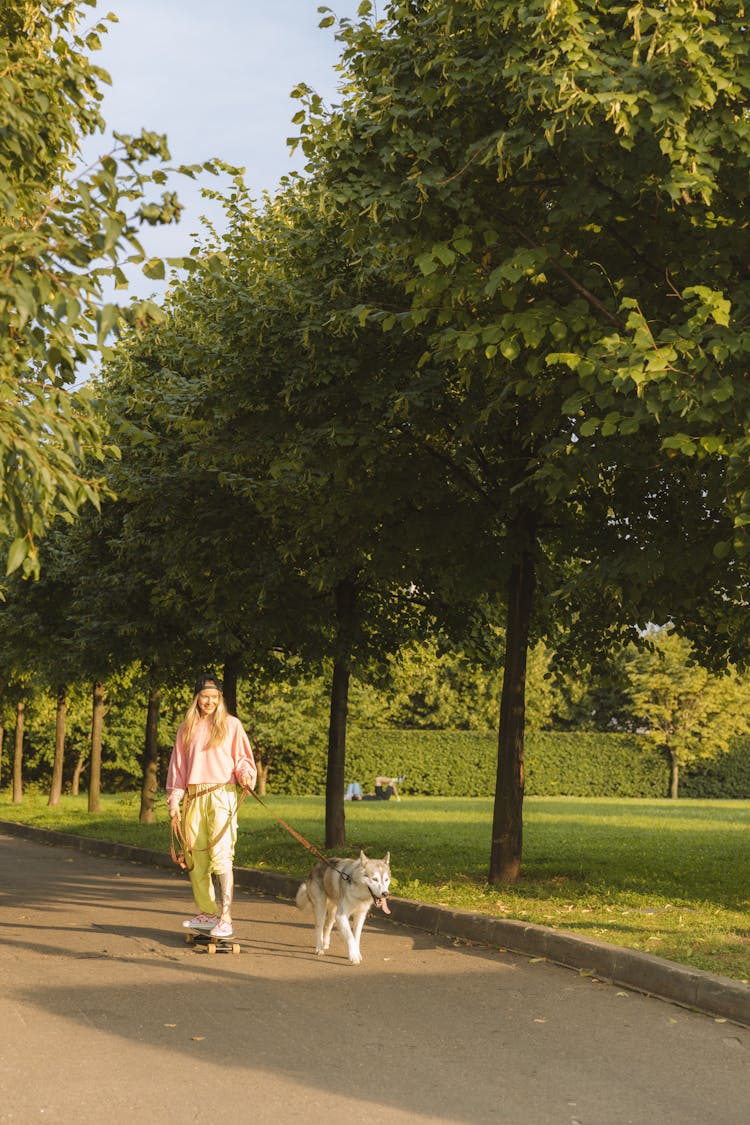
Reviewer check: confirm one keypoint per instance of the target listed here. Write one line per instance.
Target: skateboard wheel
(235, 947)
(210, 948)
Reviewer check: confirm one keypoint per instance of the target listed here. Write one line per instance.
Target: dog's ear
(362, 858)
(387, 858)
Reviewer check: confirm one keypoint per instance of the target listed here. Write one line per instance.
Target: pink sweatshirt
(231, 761)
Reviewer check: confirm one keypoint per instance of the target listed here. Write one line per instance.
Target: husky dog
(345, 889)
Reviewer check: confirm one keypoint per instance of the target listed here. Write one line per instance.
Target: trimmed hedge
(589, 764)
(442, 763)
(727, 776)
(459, 763)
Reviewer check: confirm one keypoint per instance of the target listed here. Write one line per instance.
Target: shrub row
(727, 776)
(464, 764)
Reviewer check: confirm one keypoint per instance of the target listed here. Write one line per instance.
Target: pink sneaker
(222, 930)
(201, 922)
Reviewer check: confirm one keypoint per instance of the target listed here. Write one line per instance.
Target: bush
(590, 764)
(726, 776)
(464, 764)
(438, 763)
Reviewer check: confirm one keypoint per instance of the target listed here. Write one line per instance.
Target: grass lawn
(665, 877)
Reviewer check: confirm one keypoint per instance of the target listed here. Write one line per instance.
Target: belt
(209, 787)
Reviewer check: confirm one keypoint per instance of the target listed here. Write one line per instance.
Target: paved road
(107, 1017)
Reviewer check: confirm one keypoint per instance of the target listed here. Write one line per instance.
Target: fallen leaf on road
(197, 1038)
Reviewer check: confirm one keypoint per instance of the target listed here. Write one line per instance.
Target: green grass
(670, 878)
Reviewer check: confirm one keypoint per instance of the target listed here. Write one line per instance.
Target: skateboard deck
(207, 944)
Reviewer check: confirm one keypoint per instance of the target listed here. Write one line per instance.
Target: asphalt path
(107, 1016)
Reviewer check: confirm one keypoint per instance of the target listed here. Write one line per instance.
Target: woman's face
(208, 701)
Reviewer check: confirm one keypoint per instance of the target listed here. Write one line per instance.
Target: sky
(215, 76)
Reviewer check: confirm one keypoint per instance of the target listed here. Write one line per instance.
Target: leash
(182, 855)
(305, 843)
(378, 901)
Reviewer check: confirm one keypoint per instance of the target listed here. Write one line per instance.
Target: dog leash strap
(182, 855)
(179, 854)
(305, 843)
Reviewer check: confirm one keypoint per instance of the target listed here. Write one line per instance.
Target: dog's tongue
(384, 905)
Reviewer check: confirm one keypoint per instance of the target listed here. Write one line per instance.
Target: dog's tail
(303, 898)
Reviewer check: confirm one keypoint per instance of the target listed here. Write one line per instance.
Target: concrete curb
(709, 993)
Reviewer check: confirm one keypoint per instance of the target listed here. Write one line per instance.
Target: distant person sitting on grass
(353, 791)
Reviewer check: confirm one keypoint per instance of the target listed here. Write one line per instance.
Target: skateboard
(207, 944)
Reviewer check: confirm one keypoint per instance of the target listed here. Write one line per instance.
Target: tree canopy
(65, 232)
(490, 353)
(561, 191)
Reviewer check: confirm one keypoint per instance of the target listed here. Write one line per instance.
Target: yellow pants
(206, 812)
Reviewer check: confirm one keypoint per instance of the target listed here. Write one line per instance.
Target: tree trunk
(263, 769)
(674, 779)
(55, 790)
(76, 782)
(150, 758)
(2, 725)
(346, 600)
(95, 770)
(507, 823)
(18, 755)
(231, 674)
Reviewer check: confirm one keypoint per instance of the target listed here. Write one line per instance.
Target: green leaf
(19, 550)
(26, 305)
(510, 348)
(106, 319)
(426, 263)
(443, 253)
(154, 269)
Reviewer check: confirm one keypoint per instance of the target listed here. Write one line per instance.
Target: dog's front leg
(322, 924)
(352, 942)
(324, 939)
(359, 921)
(319, 926)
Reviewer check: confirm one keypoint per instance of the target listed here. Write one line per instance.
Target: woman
(211, 755)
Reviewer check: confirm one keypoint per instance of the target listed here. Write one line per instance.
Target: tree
(18, 754)
(95, 757)
(561, 192)
(64, 232)
(274, 395)
(150, 780)
(685, 709)
(57, 768)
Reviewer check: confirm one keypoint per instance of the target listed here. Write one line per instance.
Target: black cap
(207, 680)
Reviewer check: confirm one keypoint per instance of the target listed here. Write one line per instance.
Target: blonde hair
(218, 723)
